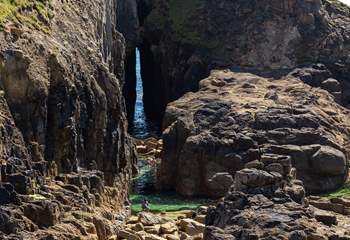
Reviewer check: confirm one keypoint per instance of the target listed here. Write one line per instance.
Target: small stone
(172, 237)
(148, 219)
(191, 227)
(254, 164)
(316, 236)
(152, 229)
(133, 220)
(200, 218)
(275, 167)
(128, 235)
(168, 228)
(297, 235)
(138, 227)
(153, 237)
(141, 149)
(325, 217)
(184, 236)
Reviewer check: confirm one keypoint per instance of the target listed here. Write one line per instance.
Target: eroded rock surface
(184, 40)
(64, 142)
(240, 119)
(266, 204)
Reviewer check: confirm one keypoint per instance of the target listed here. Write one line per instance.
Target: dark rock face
(181, 42)
(69, 106)
(262, 205)
(64, 142)
(187, 39)
(333, 79)
(236, 118)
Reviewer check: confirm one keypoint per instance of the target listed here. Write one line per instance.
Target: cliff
(64, 142)
(182, 41)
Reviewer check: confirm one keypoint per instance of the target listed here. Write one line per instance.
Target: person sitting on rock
(145, 205)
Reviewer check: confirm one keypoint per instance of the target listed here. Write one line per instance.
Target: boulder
(219, 184)
(22, 184)
(325, 217)
(172, 237)
(200, 219)
(213, 133)
(132, 219)
(329, 161)
(184, 236)
(191, 227)
(154, 229)
(297, 235)
(123, 234)
(331, 85)
(168, 228)
(149, 219)
(251, 178)
(153, 237)
(296, 192)
(138, 227)
(269, 210)
(343, 201)
(43, 213)
(336, 206)
(103, 228)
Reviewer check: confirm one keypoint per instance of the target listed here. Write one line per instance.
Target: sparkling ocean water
(142, 127)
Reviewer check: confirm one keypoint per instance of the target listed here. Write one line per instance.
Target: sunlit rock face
(263, 203)
(185, 40)
(236, 118)
(64, 143)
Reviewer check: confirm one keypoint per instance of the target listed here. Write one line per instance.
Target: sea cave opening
(143, 94)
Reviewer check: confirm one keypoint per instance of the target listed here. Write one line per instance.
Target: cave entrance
(143, 121)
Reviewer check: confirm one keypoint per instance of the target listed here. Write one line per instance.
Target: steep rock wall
(64, 113)
(187, 39)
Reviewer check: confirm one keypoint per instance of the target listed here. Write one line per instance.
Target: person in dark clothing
(145, 205)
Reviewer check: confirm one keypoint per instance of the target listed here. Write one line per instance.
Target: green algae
(342, 192)
(165, 202)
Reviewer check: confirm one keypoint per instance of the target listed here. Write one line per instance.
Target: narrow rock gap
(144, 122)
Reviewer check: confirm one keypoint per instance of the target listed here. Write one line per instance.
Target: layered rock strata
(236, 118)
(64, 142)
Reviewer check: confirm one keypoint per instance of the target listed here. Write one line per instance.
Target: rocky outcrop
(171, 226)
(64, 142)
(182, 41)
(240, 119)
(264, 203)
(73, 206)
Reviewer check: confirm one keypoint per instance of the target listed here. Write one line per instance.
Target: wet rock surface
(240, 119)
